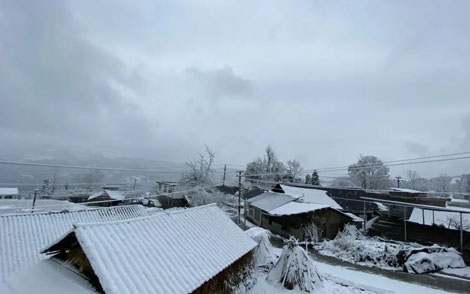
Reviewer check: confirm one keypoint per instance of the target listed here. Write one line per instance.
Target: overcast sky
(321, 81)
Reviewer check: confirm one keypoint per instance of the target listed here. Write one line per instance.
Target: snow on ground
(373, 280)
(331, 285)
(458, 272)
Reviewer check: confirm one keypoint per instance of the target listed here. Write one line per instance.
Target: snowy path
(376, 281)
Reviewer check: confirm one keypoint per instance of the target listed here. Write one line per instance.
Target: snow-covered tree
(295, 269)
(200, 170)
(370, 173)
(315, 178)
(412, 178)
(294, 170)
(441, 183)
(268, 168)
(312, 233)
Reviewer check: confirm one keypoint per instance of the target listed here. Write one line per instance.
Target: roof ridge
(140, 218)
(65, 210)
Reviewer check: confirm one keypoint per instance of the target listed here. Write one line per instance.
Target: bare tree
(200, 169)
(412, 178)
(443, 183)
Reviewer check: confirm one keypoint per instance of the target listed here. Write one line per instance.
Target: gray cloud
(59, 88)
(416, 148)
(320, 81)
(219, 83)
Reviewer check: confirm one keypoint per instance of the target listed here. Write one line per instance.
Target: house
(22, 236)
(109, 198)
(288, 215)
(166, 186)
(349, 198)
(196, 250)
(9, 193)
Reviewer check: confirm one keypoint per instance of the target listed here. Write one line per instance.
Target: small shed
(9, 193)
(109, 198)
(197, 250)
(287, 215)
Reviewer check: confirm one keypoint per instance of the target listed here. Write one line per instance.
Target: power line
(91, 167)
(395, 161)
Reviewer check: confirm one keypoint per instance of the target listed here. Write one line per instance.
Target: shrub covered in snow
(295, 269)
(351, 245)
(264, 255)
(430, 259)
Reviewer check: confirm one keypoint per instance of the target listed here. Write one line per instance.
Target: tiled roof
(22, 236)
(167, 253)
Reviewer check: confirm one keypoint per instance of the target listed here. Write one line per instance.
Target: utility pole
(135, 181)
(398, 181)
(239, 194)
(34, 200)
(225, 171)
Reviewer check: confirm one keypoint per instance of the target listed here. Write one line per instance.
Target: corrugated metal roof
(311, 195)
(297, 208)
(167, 253)
(8, 191)
(270, 200)
(22, 236)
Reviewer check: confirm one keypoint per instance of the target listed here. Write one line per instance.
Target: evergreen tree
(308, 179)
(315, 178)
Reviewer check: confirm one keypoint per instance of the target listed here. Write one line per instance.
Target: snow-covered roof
(8, 191)
(406, 190)
(270, 200)
(444, 218)
(22, 236)
(115, 195)
(311, 195)
(167, 253)
(16, 206)
(354, 217)
(49, 276)
(297, 208)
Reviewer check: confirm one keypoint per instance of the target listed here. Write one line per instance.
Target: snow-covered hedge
(351, 245)
(295, 269)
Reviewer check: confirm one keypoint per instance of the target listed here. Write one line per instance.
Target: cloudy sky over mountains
(321, 81)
